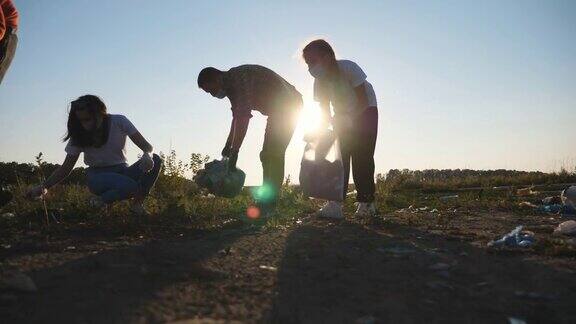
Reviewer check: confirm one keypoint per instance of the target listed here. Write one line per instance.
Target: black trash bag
(219, 180)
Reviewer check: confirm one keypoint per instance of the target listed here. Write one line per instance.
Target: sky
(460, 84)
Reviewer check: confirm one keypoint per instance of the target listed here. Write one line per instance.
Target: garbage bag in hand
(321, 169)
(220, 180)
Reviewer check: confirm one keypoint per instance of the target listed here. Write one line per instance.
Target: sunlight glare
(310, 117)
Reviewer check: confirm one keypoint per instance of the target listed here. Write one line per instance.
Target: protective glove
(146, 163)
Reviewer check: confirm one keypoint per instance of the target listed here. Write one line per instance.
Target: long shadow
(112, 286)
(347, 273)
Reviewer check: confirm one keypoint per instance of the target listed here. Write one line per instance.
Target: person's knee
(158, 162)
(157, 159)
(129, 189)
(93, 185)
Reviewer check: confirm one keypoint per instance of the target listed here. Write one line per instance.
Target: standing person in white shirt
(342, 84)
(102, 139)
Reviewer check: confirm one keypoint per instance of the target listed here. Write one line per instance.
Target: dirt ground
(408, 267)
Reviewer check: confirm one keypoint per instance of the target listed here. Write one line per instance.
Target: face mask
(221, 94)
(317, 71)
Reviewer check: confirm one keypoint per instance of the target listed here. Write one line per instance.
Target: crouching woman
(102, 139)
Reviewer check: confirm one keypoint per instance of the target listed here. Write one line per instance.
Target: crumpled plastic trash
(321, 169)
(526, 191)
(552, 200)
(516, 238)
(554, 208)
(566, 228)
(219, 180)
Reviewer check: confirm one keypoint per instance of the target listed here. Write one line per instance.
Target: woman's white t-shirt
(113, 152)
(341, 92)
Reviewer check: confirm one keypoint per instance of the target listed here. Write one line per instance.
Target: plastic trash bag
(568, 197)
(219, 180)
(566, 228)
(321, 169)
(516, 238)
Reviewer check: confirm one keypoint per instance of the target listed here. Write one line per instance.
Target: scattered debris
(515, 320)
(352, 193)
(265, 267)
(397, 250)
(553, 200)
(566, 228)
(8, 215)
(17, 281)
(449, 197)
(527, 204)
(553, 209)
(226, 251)
(516, 238)
(414, 210)
(526, 192)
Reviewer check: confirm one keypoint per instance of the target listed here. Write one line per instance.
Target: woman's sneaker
(365, 209)
(331, 209)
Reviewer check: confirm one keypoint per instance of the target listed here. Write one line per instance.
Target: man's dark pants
(279, 130)
(7, 51)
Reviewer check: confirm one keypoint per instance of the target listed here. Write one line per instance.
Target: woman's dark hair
(322, 46)
(76, 133)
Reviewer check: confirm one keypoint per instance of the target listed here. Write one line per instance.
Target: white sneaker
(332, 209)
(365, 209)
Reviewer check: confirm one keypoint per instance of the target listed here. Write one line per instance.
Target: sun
(310, 117)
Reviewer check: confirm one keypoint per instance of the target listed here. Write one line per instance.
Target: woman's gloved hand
(146, 162)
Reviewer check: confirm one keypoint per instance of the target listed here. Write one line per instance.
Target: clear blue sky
(460, 84)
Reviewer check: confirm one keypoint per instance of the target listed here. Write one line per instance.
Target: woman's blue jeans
(120, 182)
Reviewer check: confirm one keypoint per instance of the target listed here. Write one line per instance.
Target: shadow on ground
(346, 273)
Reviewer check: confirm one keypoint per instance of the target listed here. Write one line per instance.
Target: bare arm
(238, 132)
(141, 142)
(62, 172)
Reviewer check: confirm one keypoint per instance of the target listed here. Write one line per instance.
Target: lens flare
(253, 212)
(263, 194)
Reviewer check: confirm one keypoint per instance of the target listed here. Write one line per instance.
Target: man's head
(210, 80)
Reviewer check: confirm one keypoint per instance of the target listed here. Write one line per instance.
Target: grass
(176, 202)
